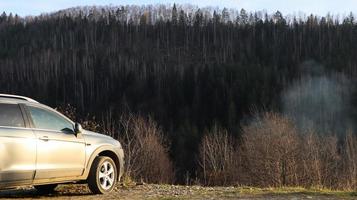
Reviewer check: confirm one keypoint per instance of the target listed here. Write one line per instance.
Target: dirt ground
(151, 191)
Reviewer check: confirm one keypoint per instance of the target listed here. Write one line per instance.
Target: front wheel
(102, 176)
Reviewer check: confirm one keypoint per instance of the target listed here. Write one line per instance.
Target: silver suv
(41, 147)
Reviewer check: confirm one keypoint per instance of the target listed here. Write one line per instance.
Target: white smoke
(319, 101)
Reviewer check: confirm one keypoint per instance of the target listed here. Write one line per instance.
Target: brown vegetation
(349, 168)
(270, 151)
(273, 153)
(146, 153)
(218, 158)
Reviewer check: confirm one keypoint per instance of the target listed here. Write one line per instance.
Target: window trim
(32, 124)
(25, 115)
(26, 125)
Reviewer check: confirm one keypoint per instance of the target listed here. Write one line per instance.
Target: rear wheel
(102, 176)
(46, 189)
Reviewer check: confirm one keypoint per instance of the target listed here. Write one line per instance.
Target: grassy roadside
(170, 192)
(295, 190)
(177, 192)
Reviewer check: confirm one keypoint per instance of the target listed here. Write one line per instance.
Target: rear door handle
(44, 138)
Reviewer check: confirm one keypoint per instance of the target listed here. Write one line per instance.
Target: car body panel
(18, 155)
(55, 161)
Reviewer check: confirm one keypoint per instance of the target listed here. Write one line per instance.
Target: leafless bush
(349, 163)
(311, 163)
(275, 154)
(147, 156)
(218, 158)
(319, 161)
(270, 151)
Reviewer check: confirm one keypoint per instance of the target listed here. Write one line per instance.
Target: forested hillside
(186, 67)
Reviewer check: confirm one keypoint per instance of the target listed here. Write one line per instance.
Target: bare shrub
(147, 156)
(218, 159)
(311, 163)
(331, 159)
(349, 164)
(270, 151)
(275, 154)
(320, 161)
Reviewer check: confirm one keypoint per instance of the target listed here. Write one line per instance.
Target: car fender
(101, 149)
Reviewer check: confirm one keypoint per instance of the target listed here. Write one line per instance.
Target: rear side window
(10, 115)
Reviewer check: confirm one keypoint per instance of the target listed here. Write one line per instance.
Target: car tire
(46, 189)
(102, 177)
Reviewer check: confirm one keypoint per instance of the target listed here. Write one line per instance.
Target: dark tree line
(186, 67)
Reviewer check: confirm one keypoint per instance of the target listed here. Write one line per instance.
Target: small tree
(147, 156)
(218, 159)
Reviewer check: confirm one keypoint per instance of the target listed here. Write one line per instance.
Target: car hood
(97, 138)
(94, 134)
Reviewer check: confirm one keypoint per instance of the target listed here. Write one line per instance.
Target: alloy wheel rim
(106, 175)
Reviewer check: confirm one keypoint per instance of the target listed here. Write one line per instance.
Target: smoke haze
(319, 100)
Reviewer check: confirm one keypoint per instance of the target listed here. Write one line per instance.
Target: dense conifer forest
(189, 68)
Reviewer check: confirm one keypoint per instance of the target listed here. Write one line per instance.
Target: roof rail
(17, 97)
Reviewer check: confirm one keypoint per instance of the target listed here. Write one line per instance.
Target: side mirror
(77, 128)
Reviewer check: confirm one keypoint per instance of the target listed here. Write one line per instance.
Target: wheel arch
(114, 157)
(109, 152)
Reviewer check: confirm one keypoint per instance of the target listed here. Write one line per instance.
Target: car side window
(44, 119)
(10, 115)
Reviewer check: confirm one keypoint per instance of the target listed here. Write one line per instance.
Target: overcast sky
(320, 7)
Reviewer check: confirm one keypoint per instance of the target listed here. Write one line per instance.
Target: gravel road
(167, 192)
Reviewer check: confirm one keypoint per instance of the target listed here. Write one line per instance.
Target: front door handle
(44, 138)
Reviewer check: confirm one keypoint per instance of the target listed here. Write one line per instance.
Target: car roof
(15, 99)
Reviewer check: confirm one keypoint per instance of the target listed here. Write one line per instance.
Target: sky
(319, 7)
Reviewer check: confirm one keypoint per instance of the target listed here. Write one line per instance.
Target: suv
(41, 147)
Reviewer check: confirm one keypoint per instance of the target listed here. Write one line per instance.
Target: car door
(17, 147)
(60, 153)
